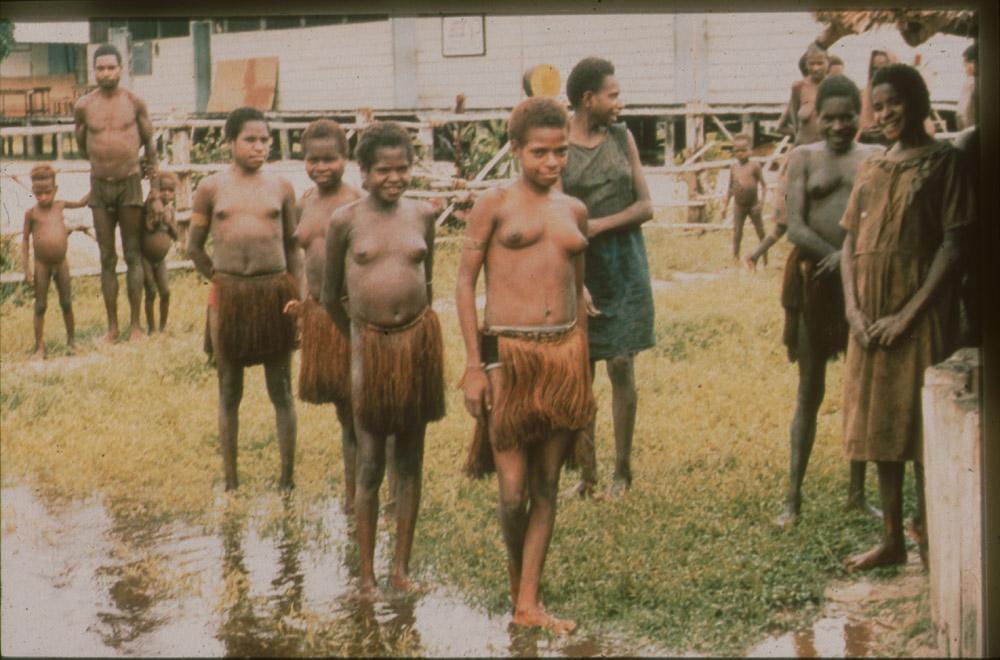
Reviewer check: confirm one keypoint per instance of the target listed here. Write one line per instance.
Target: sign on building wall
(463, 36)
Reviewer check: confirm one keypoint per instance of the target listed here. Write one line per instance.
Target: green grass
(689, 560)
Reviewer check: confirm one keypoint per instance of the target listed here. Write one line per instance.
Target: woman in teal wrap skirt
(605, 173)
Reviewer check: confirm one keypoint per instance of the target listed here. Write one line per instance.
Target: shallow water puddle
(77, 580)
(832, 637)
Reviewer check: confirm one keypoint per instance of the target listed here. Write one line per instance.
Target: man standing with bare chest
(111, 124)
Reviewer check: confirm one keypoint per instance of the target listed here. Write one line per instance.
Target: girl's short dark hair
(587, 76)
(238, 118)
(838, 86)
(536, 112)
(382, 134)
(910, 85)
(323, 129)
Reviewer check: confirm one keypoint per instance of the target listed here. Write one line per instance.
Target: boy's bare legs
(104, 230)
(812, 388)
(892, 550)
(739, 219)
(163, 287)
(43, 273)
(544, 464)
(278, 376)
(230, 395)
(371, 469)
(624, 403)
(409, 459)
(149, 287)
(349, 445)
(66, 302)
(130, 223)
(758, 222)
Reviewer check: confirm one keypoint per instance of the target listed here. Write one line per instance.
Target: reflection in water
(836, 637)
(258, 626)
(109, 581)
(134, 583)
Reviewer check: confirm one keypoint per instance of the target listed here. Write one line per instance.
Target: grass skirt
(325, 365)
(402, 375)
(546, 388)
(252, 326)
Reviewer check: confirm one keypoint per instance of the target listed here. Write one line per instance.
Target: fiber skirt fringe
(402, 374)
(252, 326)
(546, 388)
(325, 365)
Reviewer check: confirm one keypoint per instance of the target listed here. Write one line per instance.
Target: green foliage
(6, 37)
(472, 145)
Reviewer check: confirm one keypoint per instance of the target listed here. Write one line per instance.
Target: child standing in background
(744, 177)
(45, 231)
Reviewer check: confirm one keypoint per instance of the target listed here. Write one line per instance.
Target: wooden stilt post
(180, 150)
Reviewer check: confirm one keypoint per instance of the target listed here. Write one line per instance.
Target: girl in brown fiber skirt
(527, 379)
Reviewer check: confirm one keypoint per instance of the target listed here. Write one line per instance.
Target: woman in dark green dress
(605, 173)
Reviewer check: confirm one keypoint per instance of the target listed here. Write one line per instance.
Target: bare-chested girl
(744, 178)
(159, 231)
(111, 124)
(820, 177)
(527, 380)
(804, 128)
(380, 253)
(256, 270)
(45, 231)
(325, 372)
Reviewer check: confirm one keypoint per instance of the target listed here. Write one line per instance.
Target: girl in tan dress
(905, 221)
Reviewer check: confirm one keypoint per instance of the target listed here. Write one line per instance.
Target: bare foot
(401, 582)
(71, 348)
(787, 518)
(880, 555)
(369, 591)
(582, 489)
(540, 618)
(112, 335)
(39, 354)
(750, 264)
(135, 333)
(619, 489)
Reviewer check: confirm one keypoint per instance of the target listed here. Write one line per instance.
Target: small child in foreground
(158, 234)
(45, 231)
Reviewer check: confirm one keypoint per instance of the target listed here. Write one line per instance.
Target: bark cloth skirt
(253, 328)
(546, 388)
(402, 375)
(325, 365)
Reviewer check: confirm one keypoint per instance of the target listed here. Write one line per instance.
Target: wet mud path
(80, 578)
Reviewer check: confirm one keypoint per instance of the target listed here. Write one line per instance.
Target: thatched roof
(915, 25)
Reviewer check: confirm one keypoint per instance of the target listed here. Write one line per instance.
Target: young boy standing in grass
(45, 231)
(255, 269)
(744, 177)
(159, 231)
(325, 371)
(527, 380)
(380, 253)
